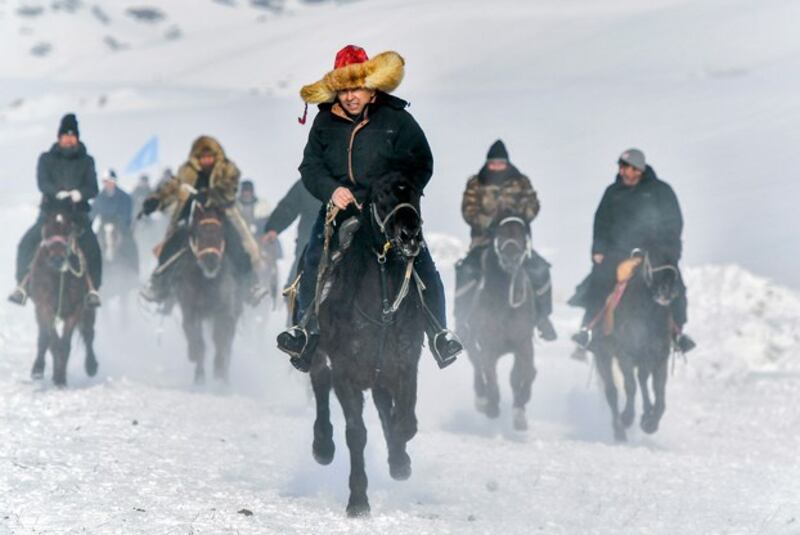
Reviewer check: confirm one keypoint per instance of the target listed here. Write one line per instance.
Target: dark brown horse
(500, 319)
(640, 342)
(207, 290)
(59, 284)
(372, 326)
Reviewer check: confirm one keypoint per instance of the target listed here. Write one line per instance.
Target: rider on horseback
(499, 188)
(637, 211)
(209, 177)
(361, 134)
(65, 174)
(115, 206)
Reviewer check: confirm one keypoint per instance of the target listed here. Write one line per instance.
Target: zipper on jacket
(356, 129)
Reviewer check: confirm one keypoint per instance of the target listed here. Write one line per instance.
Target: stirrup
(300, 344)
(445, 348)
(684, 343)
(19, 296)
(92, 299)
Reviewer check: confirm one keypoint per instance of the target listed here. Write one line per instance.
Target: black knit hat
(247, 185)
(69, 125)
(497, 151)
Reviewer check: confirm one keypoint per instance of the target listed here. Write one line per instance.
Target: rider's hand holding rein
(73, 195)
(342, 197)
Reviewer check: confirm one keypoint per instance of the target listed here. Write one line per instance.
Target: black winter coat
(353, 153)
(298, 202)
(645, 216)
(67, 169)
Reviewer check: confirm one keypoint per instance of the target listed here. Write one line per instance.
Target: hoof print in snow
(245, 512)
(491, 486)
(471, 518)
(148, 15)
(41, 49)
(135, 422)
(139, 510)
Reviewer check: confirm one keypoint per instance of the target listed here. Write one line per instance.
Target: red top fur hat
(353, 69)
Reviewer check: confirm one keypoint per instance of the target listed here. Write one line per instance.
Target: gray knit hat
(634, 158)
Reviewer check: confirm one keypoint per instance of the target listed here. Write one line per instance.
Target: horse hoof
(649, 425)
(627, 419)
(620, 436)
(481, 403)
(492, 411)
(323, 451)
(400, 469)
(519, 420)
(358, 509)
(199, 377)
(37, 374)
(91, 368)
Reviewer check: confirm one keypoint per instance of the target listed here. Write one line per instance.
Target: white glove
(75, 195)
(63, 194)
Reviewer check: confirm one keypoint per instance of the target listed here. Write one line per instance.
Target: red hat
(350, 55)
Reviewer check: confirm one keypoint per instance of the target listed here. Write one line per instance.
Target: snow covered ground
(707, 88)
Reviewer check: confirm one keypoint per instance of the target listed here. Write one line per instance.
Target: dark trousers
(424, 265)
(601, 283)
(87, 242)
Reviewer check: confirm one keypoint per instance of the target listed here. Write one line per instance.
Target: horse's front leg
(87, 333)
(650, 425)
(399, 419)
(479, 381)
(60, 347)
(523, 374)
(224, 331)
(193, 328)
(492, 409)
(629, 379)
(643, 373)
(322, 448)
(604, 369)
(43, 342)
(352, 401)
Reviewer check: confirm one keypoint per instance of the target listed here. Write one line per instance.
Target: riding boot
(19, 296)
(92, 299)
(90, 247)
(444, 345)
(538, 270)
(468, 277)
(300, 341)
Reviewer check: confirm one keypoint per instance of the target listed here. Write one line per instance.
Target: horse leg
(479, 384)
(385, 405)
(41, 350)
(660, 393)
(523, 374)
(224, 331)
(352, 401)
(604, 370)
(86, 328)
(402, 422)
(193, 328)
(647, 405)
(323, 447)
(60, 347)
(492, 388)
(628, 413)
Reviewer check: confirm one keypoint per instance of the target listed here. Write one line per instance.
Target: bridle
(211, 250)
(500, 245)
(382, 222)
(648, 270)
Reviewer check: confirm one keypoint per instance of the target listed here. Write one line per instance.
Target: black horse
(207, 290)
(59, 282)
(640, 339)
(372, 325)
(499, 319)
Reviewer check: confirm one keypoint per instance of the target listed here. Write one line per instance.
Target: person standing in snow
(499, 188)
(65, 174)
(637, 211)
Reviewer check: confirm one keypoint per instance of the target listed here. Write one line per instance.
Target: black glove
(149, 206)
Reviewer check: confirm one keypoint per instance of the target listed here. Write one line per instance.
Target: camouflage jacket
(484, 200)
(223, 182)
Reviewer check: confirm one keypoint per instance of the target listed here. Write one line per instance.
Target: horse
(120, 262)
(207, 290)
(640, 340)
(58, 287)
(372, 324)
(500, 319)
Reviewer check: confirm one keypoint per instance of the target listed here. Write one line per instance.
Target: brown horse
(372, 325)
(59, 284)
(500, 319)
(207, 290)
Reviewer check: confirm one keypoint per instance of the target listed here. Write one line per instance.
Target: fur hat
(354, 69)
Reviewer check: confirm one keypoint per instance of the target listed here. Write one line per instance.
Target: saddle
(625, 272)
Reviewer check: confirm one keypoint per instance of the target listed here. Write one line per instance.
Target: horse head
(207, 238)
(511, 242)
(661, 277)
(395, 217)
(58, 240)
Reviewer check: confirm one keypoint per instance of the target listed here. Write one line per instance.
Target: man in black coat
(65, 173)
(361, 134)
(637, 211)
(298, 202)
